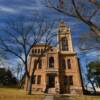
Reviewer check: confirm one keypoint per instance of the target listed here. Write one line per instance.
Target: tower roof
(63, 28)
(62, 24)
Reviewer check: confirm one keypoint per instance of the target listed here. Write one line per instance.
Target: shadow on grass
(62, 97)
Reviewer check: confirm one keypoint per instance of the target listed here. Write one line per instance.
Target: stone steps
(51, 91)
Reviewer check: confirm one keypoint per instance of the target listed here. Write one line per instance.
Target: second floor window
(51, 62)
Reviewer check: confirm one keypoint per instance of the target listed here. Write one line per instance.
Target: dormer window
(35, 51)
(38, 51)
(41, 50)
(32, 51)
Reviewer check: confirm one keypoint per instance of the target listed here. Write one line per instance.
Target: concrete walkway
(49, 97)
(60, 97)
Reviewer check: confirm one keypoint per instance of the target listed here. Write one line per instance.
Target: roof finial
(64, 27)
(62, 24)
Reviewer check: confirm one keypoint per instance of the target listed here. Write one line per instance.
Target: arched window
(64, 44)
(51, 62)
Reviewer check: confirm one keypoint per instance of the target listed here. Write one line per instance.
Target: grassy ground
(78, 98)
(16, 94)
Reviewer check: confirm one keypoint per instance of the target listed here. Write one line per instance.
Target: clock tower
(69, 69)
(64, 38)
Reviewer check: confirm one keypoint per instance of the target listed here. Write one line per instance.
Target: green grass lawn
(16, 94)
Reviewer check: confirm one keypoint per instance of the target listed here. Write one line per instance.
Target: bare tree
(89, 41)
(83, 10)
(18, 70)
(19, 37)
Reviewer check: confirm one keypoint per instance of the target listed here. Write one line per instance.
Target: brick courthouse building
(58, 70)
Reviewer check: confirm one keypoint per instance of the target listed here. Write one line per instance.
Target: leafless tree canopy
(19, 36)
(84, 10)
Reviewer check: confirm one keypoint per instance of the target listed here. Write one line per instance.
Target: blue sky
(35, 9)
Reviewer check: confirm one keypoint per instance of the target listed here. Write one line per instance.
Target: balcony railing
(51, 70)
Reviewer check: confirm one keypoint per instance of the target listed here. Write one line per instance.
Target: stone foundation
(76, 90)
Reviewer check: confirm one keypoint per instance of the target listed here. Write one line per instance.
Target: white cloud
(7, 9)
(4, 63)
(94, 53)
(30, 8)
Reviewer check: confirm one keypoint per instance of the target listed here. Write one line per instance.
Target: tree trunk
(22, 80)
(94, 90)
(30, 86)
